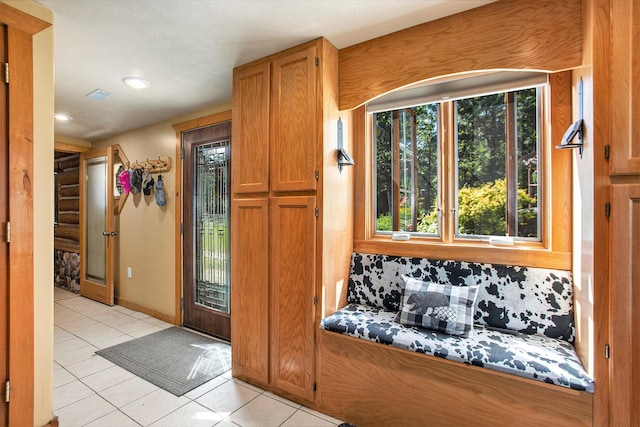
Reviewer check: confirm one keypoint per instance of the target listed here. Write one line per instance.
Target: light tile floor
(91, 391)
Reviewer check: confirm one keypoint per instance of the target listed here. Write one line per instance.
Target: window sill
(522, 253)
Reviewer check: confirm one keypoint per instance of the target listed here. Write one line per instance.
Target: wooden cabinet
(250, 127)
(625, 87)
(286, 188)
(293, 259)
(294, 122)
(625, 303)
(617, 114)
(278, 133)
(250, 288)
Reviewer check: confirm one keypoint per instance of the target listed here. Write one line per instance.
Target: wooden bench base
(370, 384)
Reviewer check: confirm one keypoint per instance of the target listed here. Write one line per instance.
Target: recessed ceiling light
(99, 94)
(136, 82)
(62, 117)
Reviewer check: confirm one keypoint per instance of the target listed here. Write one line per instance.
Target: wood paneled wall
(524, 35)
(66, 231)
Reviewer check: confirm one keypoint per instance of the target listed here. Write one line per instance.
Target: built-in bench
(514, 335)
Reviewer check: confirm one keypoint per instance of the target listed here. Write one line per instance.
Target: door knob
(114, 233)
(105, 233)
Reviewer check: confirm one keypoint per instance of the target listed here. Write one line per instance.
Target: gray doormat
(174, 359)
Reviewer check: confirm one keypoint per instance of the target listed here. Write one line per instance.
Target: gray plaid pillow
(445, 308)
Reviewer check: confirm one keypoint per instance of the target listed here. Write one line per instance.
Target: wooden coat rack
(159, 165)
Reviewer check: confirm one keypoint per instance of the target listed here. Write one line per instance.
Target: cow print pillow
(444, 308)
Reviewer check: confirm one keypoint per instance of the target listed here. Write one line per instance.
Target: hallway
(91, 391)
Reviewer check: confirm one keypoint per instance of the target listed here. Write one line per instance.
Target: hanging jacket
(160, 199)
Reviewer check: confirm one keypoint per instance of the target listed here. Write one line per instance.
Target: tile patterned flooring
(91, 391)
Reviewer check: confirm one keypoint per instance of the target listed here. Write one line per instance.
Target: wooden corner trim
(20, 20)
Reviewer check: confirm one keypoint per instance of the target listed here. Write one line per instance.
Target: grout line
(118, 409)
(289, 417)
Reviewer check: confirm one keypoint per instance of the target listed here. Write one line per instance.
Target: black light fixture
(344, 159)
(575, 130)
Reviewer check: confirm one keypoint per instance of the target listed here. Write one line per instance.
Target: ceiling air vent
(99, 94)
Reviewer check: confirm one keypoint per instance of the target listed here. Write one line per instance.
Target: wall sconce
(344, 159)
(574, 130)
(567, 140)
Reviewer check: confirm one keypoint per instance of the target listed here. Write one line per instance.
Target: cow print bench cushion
(524, 299)
(537, 357)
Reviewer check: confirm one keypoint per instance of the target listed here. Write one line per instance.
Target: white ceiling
(187, 49)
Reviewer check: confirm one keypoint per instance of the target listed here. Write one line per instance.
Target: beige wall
(583, 219)
(147, 231)
(583, 225)
(43, 223)
(43, 78)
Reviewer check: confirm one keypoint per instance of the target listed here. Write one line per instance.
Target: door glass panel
(96, 206)
(211, 225)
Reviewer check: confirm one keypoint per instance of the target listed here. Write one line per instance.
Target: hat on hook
(125, 181)
(147, 182)
(136, 181)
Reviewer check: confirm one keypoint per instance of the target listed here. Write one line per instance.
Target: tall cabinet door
(293, 254)
(250, 292)
(294, 121)
(625, 300)
(250, 127)
(625, 78)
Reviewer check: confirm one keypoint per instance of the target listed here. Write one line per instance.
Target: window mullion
(395, 171)
(511, 167)
(448, 195)
(414, 163)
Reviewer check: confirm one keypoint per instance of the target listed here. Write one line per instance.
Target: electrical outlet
(129, 272)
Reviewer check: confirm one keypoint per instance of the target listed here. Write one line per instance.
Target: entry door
(206, 230)
(97, 225)
(4, 247)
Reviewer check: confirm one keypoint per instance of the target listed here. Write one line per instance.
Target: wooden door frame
(88, 288)
(20, 30)
(4, 216)
(212, 119)
(196, 316)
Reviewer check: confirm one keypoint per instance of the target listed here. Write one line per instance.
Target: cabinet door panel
(625, 303)
(250, 288)
(293, 243)
(250, 144)
(294, 122)
(625, 87)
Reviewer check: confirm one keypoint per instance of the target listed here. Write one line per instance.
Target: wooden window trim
(554, 249)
